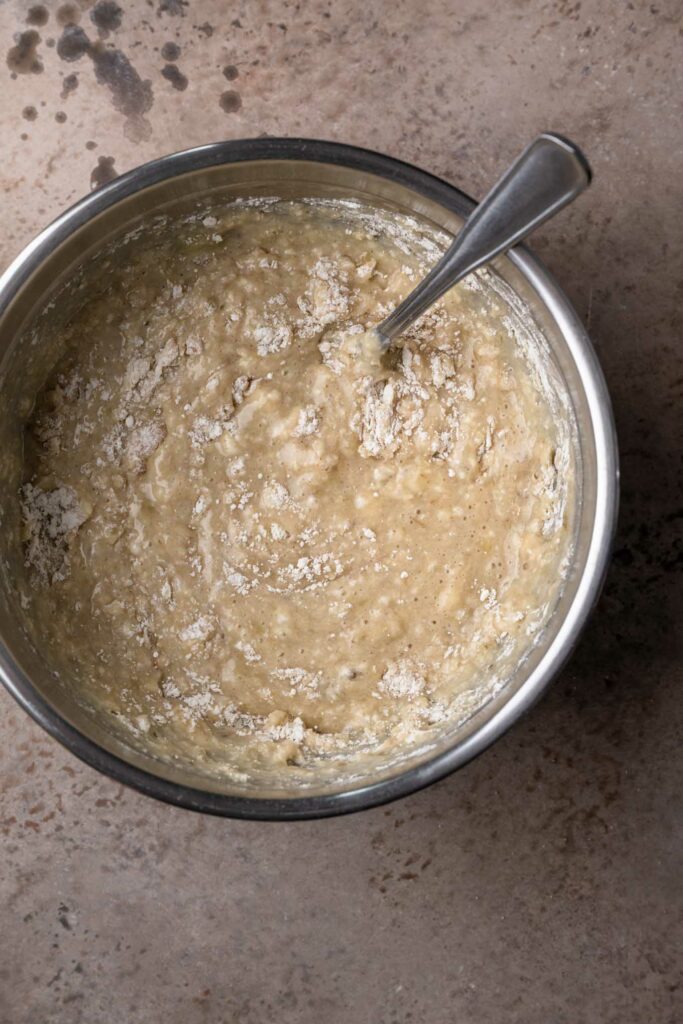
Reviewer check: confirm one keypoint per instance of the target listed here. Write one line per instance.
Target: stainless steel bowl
(285, 167)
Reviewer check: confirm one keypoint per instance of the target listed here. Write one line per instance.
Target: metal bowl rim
(604, 524)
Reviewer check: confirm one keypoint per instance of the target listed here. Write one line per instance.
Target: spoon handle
(548, 175)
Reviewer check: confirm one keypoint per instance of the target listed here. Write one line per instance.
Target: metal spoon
(548, 175)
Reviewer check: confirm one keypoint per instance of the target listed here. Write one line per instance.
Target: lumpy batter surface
(246, 546)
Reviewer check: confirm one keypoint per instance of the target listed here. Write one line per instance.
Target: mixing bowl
(44, 282)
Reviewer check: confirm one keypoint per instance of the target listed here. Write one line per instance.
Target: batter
(246, 545)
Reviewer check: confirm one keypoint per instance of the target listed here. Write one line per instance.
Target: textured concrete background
(542, 883)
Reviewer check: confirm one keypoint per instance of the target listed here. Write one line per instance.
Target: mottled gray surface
(542, 883)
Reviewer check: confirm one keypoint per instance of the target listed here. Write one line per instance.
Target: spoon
(548, 175)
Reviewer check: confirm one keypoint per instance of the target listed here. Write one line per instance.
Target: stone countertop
(539, 884)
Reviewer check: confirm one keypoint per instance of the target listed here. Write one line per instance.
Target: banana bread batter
(248, 546)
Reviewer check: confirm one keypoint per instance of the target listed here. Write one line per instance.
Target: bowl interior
(46, 286)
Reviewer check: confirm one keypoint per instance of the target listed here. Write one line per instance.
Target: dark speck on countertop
(175, 8)
(68, 14)
(69, 85)
(170, 51)
(37, 15)
(175, 77)
(106, 15)
(103, 172)
(73, 43)
(23, 58)
(230, 101)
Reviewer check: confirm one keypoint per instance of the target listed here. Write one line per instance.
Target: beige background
(542, 883)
